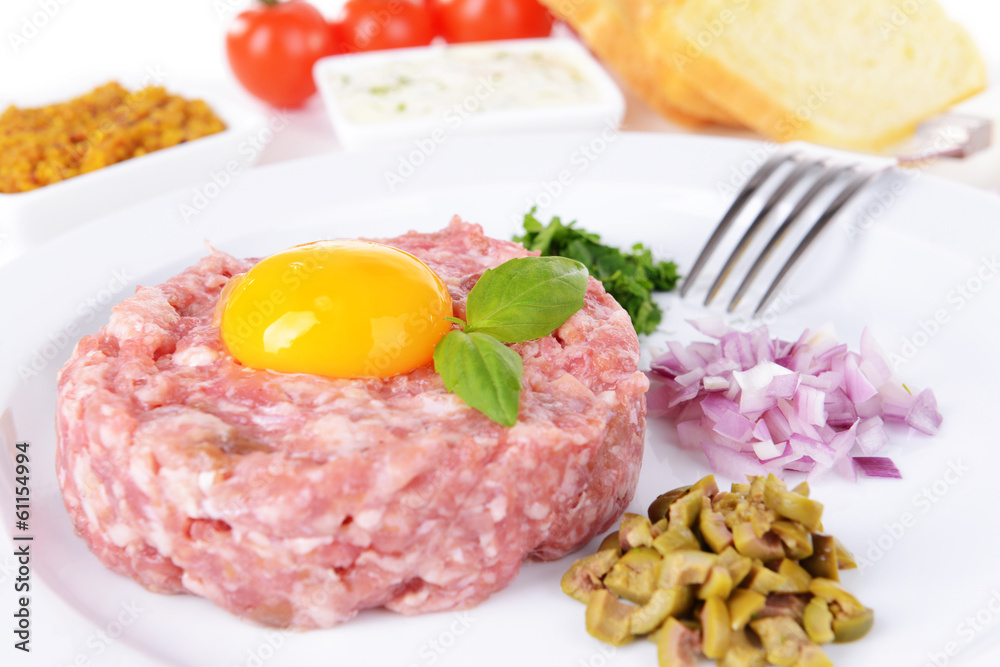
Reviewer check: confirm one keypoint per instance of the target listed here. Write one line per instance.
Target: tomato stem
(269, 3)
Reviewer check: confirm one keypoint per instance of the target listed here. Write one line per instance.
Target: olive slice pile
(744, 577)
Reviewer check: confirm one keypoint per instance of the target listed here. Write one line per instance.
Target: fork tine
(779, 193)
(744, 195)
(821, 183)
(856, 184)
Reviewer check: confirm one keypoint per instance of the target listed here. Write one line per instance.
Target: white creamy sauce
(461, 84)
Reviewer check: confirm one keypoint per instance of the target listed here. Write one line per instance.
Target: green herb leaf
(483, 372)
(629, 277)
(526, 298)
(520, 300)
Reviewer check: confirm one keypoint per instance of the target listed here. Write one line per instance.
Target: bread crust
(762, 110)
(647, 42)
(607, 28)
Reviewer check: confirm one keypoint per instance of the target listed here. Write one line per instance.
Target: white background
(86, 42)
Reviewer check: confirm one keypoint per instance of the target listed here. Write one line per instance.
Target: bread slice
(608, 29)
(852, 73)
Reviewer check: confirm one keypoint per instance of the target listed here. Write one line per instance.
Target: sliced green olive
(686, 567)
(712, 526)
(635, 531)
(741, 637)
(741, 489)
(852, 628)
(833, 592)
(845, 559)
(727, 503)
(608, 619)
(675, 539)
(774, 482)
(660, 507)
(796, 539)
(796, 578)
(761, 518)
(685, 510)
(782, 638)
(747, 542)
(714, 628)
(793, 506)
(659, 527)
(811, 655)
(742, 655)
(762, 580)
(719, 584)
(785, 604)
(851, 619)
(818, 621)
(677, 645)
(739, 566)
(664, 603)
(756, 557)
(707, 485)
(611, 542)
(743, 604)
(823, 561)
(584, 576)
(633, 577)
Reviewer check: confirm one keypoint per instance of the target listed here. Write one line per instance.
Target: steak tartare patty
(297, 500)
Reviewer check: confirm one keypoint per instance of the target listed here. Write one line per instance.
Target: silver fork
(964, 135)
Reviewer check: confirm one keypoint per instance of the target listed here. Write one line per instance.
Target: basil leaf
(526, 298)
(483, 372)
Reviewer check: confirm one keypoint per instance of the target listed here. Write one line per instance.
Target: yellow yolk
(339, 308)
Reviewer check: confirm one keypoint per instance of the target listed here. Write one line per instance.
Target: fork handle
(947, 135)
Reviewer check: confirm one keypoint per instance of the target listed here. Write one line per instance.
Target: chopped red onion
(810, 405)
(691, 377)
(877, 466)
(755, 404)
(761, 431)
(783, 386)
(817, 450)
(859, 389)
(840, 411)
(730, 463)
(871, 437)
(804, 464)
(715, 383)
(766, 450)
(735, 427)
(923, 415)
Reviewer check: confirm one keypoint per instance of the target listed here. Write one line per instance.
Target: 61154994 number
(22, 547)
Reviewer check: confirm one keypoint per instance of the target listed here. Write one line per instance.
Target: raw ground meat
(297, 500)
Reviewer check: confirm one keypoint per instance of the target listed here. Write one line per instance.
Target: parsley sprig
(630, 278)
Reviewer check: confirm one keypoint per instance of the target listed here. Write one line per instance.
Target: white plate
(925, 580)
(208, 164)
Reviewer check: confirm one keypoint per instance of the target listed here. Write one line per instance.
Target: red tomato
(373, 25)
(482, 20)
(272, 48)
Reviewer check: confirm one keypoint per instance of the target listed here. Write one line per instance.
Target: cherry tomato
(481, 20)
(335, 30)
(272, 48)
(373, 25)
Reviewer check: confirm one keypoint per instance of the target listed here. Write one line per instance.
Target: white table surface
(182, 40)
(96, 40)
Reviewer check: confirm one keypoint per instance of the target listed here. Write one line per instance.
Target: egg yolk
(343, 309)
